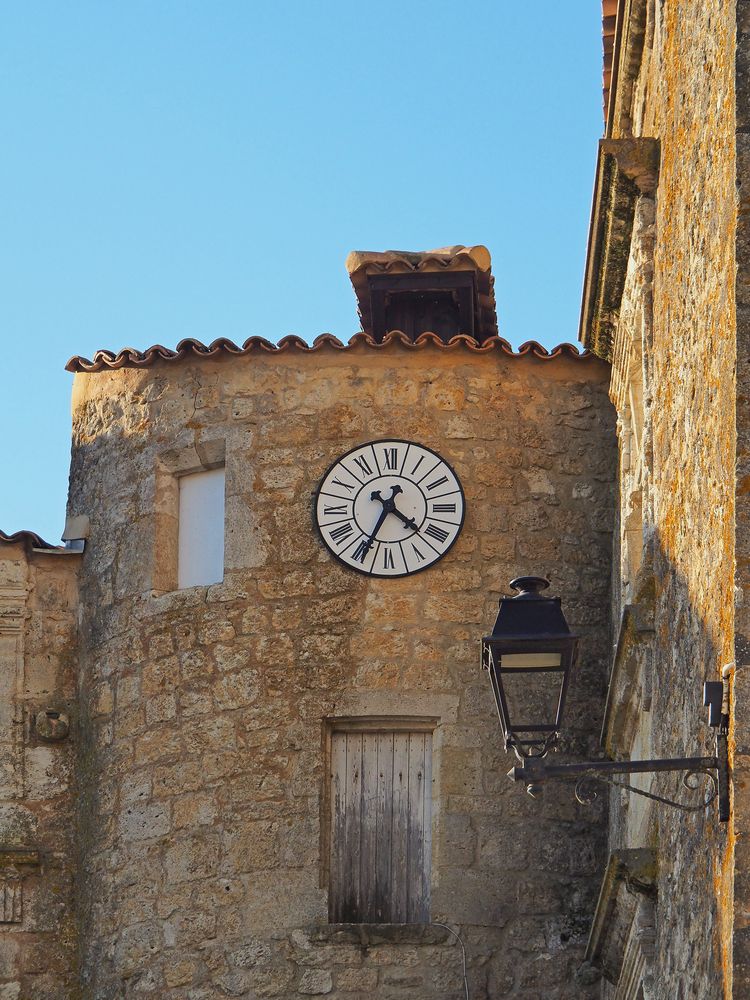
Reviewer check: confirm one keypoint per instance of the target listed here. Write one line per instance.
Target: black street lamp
(529, 657)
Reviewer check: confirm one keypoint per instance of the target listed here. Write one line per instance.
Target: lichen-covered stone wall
(203, 824)
(683, 325)
(692, 355)
(741, 687)
(38, 857)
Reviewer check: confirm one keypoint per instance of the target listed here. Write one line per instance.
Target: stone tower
(215, 721)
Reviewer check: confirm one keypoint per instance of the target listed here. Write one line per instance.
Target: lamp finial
(529, 586)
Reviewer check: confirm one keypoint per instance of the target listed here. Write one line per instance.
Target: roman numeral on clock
(343, 531)
(420, 555)
(364, 466)
(361, 551)
(390, 457)
(346, 486)
(443, 508)
(437, 482)
(439, 534)
(388, 562)
(341, 509)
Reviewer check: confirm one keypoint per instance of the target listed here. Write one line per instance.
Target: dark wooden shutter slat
(427, 829)
(339, 860)
(353, 912)
(383, 826)
(400, 829)
(368, 858)
(418, 893)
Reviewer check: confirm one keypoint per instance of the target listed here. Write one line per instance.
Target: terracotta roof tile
(128, 357)
(29, 539)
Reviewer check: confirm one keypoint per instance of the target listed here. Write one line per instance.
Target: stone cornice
(13, 857)
(626, 170)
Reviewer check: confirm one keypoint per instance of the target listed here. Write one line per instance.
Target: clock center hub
(409, 502)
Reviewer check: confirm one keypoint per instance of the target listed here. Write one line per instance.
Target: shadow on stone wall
(664, 652)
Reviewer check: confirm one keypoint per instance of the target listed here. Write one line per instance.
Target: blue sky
(175, 169)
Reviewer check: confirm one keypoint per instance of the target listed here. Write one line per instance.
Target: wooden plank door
(381, 791)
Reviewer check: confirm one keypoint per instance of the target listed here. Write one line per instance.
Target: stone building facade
(38, 695)
(184, 826)
(664, 302)
(169, 753)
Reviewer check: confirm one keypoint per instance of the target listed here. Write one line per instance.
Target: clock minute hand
(375, 495)
(376, 529)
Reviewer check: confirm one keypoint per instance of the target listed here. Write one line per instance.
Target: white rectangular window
(200, 557)
(381, 798)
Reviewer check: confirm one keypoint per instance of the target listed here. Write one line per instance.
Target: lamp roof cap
(528, 587)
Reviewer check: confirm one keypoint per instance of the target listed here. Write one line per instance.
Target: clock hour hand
(408, 521)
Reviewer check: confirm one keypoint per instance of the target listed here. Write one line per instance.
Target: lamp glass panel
(532, 693)
(530, 660)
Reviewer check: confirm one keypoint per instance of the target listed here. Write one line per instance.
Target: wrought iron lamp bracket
(535, 771)
(586, 794)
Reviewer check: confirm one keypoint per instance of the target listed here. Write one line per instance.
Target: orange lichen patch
(129, 357)
(724, 890)
(694, 353)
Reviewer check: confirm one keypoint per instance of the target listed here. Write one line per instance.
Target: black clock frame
(368, 573)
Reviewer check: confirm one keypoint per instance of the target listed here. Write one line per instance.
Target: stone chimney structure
(446, 292)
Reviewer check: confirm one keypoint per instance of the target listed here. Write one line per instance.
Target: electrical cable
(436, 923)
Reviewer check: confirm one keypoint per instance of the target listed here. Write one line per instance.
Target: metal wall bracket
(535, 771)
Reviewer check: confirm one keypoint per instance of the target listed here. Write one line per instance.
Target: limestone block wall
(683, 324)
(38, 609)
(204, 823)
(741, 732)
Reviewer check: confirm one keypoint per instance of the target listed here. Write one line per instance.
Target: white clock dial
(389, 508)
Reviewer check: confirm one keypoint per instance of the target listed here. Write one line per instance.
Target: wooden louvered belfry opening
(441, 303)
(381, 798)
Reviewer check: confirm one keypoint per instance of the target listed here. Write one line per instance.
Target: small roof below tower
(447, 292)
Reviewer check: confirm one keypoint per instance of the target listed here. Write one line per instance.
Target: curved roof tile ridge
(129, 357)
(457, 256)
(29, 538)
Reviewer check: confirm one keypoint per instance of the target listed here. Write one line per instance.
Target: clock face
(389, 508)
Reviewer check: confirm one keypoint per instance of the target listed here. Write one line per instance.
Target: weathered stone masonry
(38, 660)
(660, 304)
(202, 712)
